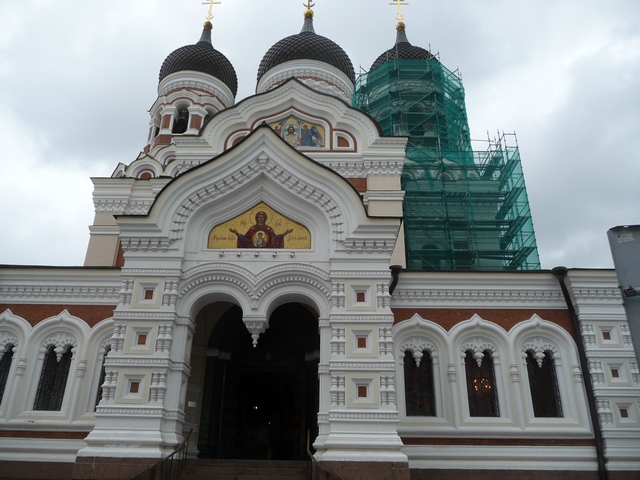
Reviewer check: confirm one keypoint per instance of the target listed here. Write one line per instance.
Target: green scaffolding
(463, 209)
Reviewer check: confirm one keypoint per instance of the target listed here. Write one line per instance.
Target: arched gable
(261, 168)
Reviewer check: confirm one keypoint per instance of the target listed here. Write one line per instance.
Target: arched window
(181, 122)
(481, 384)
(418, 385)
(5, 366)
(53, 380)
(543, 382)
(103, 374)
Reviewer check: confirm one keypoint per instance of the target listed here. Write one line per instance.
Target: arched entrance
(259, 403)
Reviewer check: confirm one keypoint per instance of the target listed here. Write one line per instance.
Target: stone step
(244, 470)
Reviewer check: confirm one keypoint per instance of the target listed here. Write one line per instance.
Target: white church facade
(246, 278)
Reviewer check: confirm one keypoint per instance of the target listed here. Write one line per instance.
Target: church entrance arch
(262, 402)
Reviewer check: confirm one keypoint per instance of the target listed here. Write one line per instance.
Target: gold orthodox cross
(211, 3)
(399, 3)
(309, 5)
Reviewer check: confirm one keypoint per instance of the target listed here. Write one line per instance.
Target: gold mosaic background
(221, 237)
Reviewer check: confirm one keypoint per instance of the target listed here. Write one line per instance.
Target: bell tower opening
(260, 403)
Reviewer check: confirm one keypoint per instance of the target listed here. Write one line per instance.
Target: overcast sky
(77, 78)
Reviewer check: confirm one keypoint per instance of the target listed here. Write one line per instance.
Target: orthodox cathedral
(326, 270)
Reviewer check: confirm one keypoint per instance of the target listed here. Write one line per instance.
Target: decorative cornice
(58, 292)
(613, 317)
(389, 366)
(384, 274)
(363, 416)
(475, 295)
(151, 272)
(146, 315)
(374, 317)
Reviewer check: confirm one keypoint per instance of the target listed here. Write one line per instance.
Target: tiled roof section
(307, 46)
(201, 57)
(403, 51)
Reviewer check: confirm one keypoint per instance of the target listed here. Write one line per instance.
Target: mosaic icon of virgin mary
(260, 235)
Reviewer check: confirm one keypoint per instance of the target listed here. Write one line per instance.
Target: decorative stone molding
(338, 296)
(338, 341)
(369, 274)
(151, 272)
(604, 411)
(145, 411)
(170, 294)
(476, 296)
(6, 342)
(109, 387)
(387, 390)
(133, 315)
(337, 390)
(260, 165)
(478, 346)
(126, 293)
(588, 333)
(158, 387)
(164, 338)
(118, 337)
(362, 366)
(145, 244)
(383, 298)
(364, 416)
(368, 245)
(58, 292)
(364, 318)
(385, 341)
(539, 347)
(60, 342)
(416, 346)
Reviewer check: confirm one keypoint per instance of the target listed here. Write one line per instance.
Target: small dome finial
(207, 25)
(308, 12)
(399, 16)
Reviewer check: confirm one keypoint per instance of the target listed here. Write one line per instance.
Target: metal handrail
(168, 468)
(313, 464)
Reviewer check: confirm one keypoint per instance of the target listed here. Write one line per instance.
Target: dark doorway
(259, 403)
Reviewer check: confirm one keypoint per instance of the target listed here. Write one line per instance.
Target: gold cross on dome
(309, 5)
(400, 17)
(211, 3)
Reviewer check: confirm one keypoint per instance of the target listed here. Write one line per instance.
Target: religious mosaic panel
(299, 133)
(260, 227)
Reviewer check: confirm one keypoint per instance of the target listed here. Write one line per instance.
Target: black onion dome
(201, 57)
(306, 45)
(403, 50)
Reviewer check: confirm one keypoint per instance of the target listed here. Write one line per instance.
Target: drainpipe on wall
(395, 273)
(561, 274)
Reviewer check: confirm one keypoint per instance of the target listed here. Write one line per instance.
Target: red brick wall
(447, 318)
(92, 314)
(360, 184)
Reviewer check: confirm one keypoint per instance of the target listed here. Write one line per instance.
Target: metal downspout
(561, 274)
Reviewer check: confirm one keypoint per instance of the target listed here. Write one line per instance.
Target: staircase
(244, 470)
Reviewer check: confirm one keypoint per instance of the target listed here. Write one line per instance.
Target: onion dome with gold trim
(403, 50)
(313, 59)
(201, 57)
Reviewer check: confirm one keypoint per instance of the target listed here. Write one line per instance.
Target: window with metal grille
(543, 382)
(5, 366)
(418, 385)
(481, 385)
(53, 380)
(103, 374)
